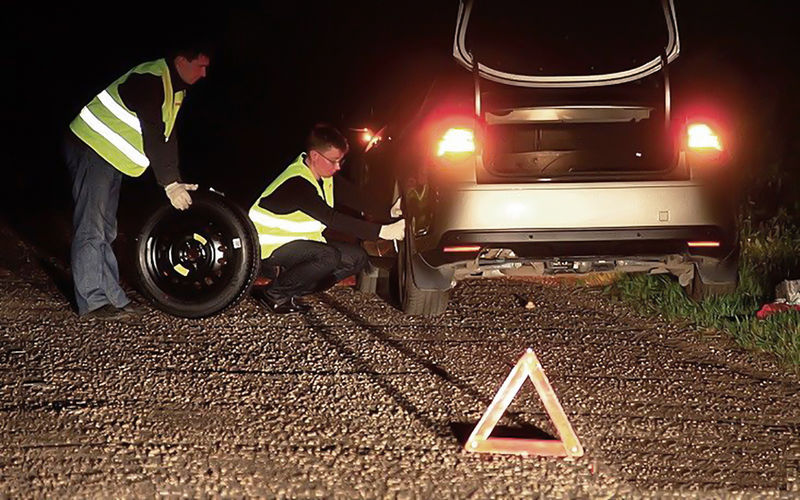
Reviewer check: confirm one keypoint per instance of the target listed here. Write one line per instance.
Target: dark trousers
(311, 266)
(95, 191)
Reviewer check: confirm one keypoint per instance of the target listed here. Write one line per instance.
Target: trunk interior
(577, 144)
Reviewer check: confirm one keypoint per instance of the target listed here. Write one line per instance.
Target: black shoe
(106, 313)
(287, 306)
(300, 305)
(133, 312)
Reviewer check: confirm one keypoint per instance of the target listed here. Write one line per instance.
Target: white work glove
(178, 194)
(396, 211)
(394, 231)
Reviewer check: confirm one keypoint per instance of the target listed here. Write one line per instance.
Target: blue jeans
(95, 191)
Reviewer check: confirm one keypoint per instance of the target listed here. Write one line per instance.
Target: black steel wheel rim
(193, 256)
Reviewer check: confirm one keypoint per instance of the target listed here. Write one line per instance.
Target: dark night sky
(280, 68)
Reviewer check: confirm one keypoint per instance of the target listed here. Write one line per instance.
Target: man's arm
(298, 194)
(144, 94)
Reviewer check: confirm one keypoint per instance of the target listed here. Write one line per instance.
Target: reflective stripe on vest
(264, 219)
(274, 229)
(114, 138)
(123, 114)
(114, 131)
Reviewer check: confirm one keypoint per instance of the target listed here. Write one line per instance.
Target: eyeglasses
(339, 162)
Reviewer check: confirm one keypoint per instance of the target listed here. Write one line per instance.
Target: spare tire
(197, 262)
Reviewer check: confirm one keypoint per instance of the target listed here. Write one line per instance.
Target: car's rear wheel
(197, 262)
(412, 300)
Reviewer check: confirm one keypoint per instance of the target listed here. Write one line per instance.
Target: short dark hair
(324, 136)
(190, 46)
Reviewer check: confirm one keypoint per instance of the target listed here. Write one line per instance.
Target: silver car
(556, 147)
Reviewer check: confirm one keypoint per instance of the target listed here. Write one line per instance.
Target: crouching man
(294, 210)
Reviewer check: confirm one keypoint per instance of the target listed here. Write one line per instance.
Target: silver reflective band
(266, 239)
(123, 114)
(114, 138)
(286, 225)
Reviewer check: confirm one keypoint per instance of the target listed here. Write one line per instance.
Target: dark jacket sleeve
(298, 194)
(144, 95)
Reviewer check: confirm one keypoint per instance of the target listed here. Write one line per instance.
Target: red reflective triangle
(528, 367)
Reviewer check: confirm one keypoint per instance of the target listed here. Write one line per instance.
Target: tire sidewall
(232, 292)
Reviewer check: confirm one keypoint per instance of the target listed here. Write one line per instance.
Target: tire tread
(160, 300)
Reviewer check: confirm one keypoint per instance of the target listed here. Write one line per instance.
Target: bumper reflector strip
(473, 248)
(703, 243)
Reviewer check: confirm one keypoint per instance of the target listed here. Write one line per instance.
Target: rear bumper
(600, 205)
(563, 220)
(567, 243)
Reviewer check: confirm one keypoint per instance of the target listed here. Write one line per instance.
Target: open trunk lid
(565, 44)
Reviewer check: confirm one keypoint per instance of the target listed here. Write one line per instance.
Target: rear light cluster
(457, 140)
(701, 137)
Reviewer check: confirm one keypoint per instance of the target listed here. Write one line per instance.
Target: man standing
(123, 130)
(294, 210)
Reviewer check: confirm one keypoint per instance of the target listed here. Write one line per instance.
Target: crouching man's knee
(361, 260)
(329, 257)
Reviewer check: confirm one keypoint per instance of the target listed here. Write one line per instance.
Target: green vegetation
(770, 254)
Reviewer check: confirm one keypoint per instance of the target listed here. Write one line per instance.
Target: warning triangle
(528, 367)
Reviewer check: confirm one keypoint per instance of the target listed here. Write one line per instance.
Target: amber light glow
(702, 137)
(473, 248)
(456, 140)
(703, 243)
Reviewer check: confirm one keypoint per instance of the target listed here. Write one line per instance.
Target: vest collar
(302, 159)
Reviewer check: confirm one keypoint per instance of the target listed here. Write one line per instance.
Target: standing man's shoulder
(140, 88)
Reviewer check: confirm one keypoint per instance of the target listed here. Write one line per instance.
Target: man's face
(191, 71)
(327, 162)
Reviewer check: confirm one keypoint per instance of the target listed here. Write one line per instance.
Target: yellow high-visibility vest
(274, 229)
(114, 131)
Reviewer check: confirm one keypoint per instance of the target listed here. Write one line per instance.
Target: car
(552, 144)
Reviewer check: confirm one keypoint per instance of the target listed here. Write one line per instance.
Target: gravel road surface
(356, 400)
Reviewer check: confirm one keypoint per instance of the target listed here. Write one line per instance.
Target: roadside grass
(770, 254)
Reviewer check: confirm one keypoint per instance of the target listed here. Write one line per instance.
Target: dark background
(280, 67)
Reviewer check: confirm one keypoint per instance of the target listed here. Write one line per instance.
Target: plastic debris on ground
(787, 298)
(789, 291)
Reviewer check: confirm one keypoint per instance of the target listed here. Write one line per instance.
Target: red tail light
(457, 140)
(468, 248)
(706, 244)
(701, 137)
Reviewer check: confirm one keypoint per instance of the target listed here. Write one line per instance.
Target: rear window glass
(566, 37)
